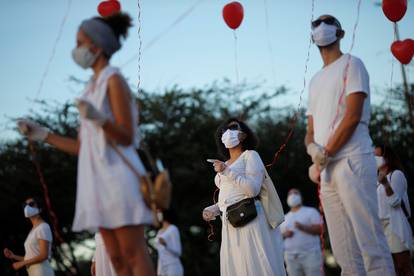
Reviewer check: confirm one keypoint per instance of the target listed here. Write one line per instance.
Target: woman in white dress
(38, 244)
(168, 245)
(394, 208)
(255, 249)
(108, 194)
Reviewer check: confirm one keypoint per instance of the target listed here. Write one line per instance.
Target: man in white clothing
(301, 230)
(339, 143)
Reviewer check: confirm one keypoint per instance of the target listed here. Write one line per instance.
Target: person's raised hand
(32, 130)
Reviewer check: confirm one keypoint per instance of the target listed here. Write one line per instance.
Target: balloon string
(236, 61)
(52, 55)
(388, 127)
(46, 197)
(160, 35)
(269, 43)
(345, 78)
(210, 236)
(140, 46)
(296, 114)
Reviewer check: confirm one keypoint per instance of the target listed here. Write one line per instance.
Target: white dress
(103, 265)
(169, 263)
(397, 229)
(255, 249)
(108, 193)
(31, 248)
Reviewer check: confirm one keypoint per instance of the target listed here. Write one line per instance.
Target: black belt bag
(242, 212)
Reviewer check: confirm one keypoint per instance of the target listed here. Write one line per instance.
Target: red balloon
(394, 10)
(108, 8)
(403, 50)
(233, 14)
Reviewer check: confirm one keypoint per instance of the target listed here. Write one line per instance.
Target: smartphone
(212, 160)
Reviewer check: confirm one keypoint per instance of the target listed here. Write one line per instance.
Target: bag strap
(147, 182)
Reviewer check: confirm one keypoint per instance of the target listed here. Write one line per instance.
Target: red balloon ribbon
(108, 8)
(233, 14)
(394, 10)
(403, 50)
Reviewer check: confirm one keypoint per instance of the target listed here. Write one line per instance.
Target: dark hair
(119, 23)
(249, 143)
(391, 159)
(170, 216)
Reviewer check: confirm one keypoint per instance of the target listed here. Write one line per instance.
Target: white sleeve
(172, 239)
(357, 79)
(44, 233)
(315, 217)
(252, 179)
(399, 186)
(217, 181)
(309, 109)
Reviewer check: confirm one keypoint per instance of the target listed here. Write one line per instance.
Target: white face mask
(324, 34)
(160, 216)
(30, 211)
(380, 161)
(230, 138)
(294, 200)
(84, 57)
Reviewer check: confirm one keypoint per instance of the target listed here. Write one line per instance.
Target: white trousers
(349, 198)
(304, 264)
(41, 269)
(174, 269)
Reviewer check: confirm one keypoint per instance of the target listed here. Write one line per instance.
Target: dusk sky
(194, 53)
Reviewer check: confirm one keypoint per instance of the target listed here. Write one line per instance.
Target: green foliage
(178, 126)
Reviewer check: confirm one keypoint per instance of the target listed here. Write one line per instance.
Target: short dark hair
(391, 158)
(249, 143)
(170, 216)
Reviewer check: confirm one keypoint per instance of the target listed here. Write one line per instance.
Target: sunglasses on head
(328, 20)
(232, 126)
(30, 203)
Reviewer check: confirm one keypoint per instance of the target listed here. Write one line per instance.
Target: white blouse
(242, 179)
(390, 207)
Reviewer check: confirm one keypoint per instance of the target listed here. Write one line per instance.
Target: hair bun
(119, 23)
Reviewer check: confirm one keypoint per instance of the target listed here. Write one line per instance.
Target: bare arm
(312, 229)
(66, 144)
(352, 117)
(121, 131)
(309, 138)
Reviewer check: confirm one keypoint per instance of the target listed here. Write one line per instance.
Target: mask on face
(294, 200)
(380, 161)
(160, 216)
(230, 138)
(84, 57)
(30, 211)
(324, 34)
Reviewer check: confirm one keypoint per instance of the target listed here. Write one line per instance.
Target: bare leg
(114, 252)
(134, 250)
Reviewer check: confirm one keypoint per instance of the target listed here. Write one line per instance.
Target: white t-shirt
(301, 241)
(31, 245)
(170, 253)
(325, 89)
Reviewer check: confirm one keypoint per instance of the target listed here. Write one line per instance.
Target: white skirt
(252, 250)
(42, 269)
(108, 192)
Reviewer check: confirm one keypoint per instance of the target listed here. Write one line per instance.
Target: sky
(197, 51)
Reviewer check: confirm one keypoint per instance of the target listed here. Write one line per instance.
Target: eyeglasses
(30, 203)
(232, 126)
(328, 20)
